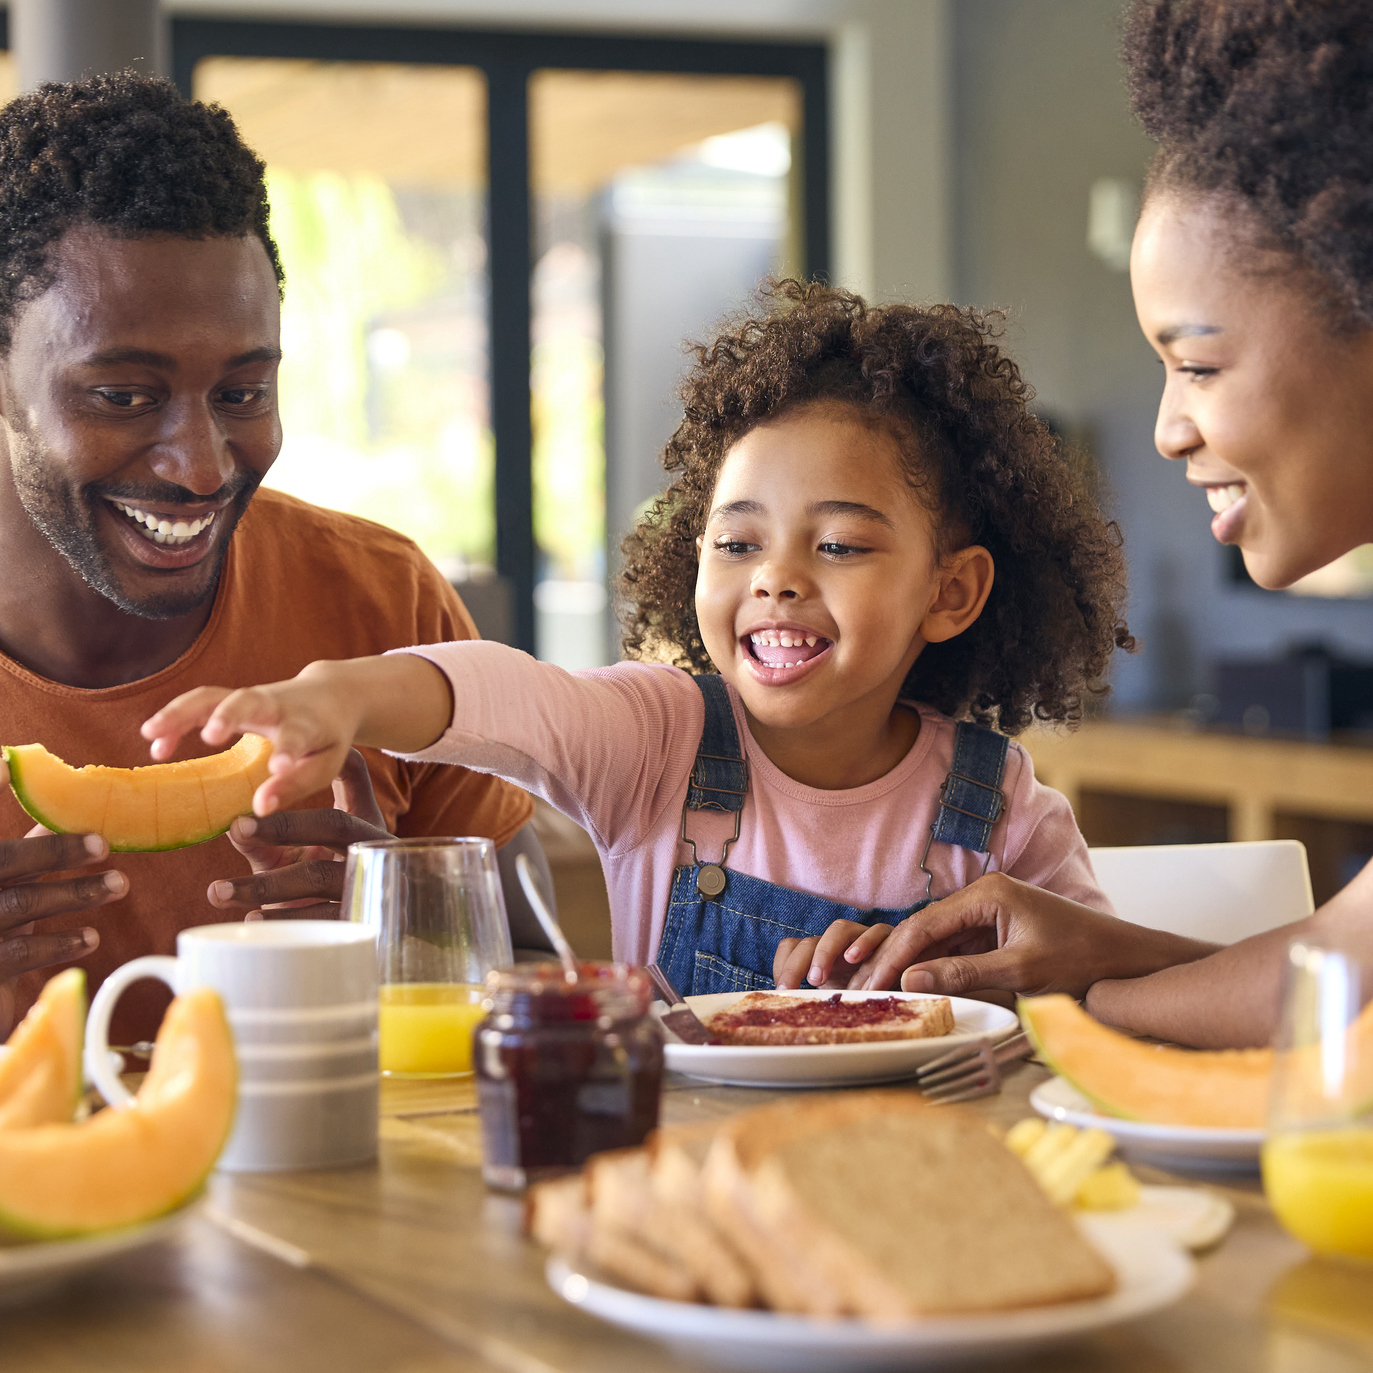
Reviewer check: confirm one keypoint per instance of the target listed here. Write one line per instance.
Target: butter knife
(679, 1018)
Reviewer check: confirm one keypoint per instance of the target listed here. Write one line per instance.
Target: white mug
(301, 997)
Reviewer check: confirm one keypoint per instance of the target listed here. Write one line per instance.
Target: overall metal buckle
(710, 879)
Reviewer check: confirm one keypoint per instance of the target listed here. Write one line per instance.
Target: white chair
(1217, 892)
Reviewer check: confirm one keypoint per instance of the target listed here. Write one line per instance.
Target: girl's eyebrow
(725, 512)
(851, 509)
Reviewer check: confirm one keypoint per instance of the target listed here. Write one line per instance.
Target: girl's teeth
(1223, 497)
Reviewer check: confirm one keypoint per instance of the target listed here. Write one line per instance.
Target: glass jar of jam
(564, 1069)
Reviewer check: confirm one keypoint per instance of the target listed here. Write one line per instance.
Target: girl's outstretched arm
(400, 702)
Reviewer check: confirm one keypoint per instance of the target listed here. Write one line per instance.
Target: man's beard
(69, 520)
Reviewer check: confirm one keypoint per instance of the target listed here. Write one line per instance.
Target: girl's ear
(965, 582)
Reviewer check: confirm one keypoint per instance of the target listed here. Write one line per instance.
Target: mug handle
(97, 1054)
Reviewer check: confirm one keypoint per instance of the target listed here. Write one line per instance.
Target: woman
(1252, 272)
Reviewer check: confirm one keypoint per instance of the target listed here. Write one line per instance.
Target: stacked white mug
(301, 996)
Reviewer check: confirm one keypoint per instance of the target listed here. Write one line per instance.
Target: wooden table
(411, 1266)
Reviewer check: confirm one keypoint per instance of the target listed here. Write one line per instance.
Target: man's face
(138, 405)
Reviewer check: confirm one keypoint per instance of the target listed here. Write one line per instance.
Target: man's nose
(1175, 433)
(192, 450)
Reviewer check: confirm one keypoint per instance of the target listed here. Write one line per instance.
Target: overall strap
(719, 777)
(970, 800)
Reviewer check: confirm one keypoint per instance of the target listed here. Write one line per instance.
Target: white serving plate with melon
(1165, 1146)
(1151, 1271)
(828, 1065)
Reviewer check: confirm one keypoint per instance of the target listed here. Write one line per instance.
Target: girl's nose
(772, 581)
(1175, 433)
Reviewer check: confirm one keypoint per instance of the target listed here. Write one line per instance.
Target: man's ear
(965, 582)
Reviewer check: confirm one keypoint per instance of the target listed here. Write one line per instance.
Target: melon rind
(140, 810)
(40, 1076)
(125, 1166)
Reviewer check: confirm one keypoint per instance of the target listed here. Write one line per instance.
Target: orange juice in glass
(439, 916)
(426, 1027)
(1318, 1157)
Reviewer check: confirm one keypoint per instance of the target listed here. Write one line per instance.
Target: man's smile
(167, 540)
(160, 528)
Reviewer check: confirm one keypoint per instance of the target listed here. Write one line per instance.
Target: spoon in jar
(547, 919)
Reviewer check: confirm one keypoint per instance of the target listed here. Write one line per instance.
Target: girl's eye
(734, 548)
(834, 549)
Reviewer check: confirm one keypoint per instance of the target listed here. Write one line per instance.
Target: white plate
(827, 1065)
(28, 1269)
(1151, 1272)
(1166, 1146)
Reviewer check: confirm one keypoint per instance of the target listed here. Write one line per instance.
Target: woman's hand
(399, 702)
(999, 934)
(817, 960)
(297, 856)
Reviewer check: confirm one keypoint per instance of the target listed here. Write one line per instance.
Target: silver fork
(972, 1070)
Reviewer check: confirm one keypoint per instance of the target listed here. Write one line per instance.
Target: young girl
(868, 538)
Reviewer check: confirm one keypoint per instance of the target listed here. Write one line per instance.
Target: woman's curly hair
(1268, 102)
(995, 475)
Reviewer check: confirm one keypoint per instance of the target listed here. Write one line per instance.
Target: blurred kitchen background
(501, 219)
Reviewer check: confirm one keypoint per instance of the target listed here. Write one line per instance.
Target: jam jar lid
(542, 991)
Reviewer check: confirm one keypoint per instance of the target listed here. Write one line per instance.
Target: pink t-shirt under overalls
(613, 749)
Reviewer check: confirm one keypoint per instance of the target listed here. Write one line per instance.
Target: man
(139, 343)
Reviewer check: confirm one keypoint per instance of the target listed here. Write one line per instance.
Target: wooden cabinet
(1150, 781)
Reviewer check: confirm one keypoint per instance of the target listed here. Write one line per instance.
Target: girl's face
(819, 582)
(1269, 407)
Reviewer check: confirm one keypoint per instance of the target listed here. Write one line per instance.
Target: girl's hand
(814, 960)
(400, 702)
(310, 721)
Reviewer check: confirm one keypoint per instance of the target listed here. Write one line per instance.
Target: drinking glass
(439, 917)
(1318, 1157)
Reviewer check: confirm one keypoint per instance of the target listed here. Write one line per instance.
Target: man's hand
(297, 856)
(999, 934)
(817, 960)
(24, 901)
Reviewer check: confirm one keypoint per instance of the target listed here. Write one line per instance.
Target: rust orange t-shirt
(299, 583)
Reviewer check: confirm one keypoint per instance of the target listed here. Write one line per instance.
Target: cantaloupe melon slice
(122, 1166)
(40, 1076)
(1217, 1089)
(1226, 1089)
(162, 806)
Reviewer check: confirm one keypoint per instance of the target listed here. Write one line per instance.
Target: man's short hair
(126, 153)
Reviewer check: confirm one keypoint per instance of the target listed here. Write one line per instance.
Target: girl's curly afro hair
(1270, 103)
(935, 380)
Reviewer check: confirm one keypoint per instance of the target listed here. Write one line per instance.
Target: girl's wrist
(401, 701)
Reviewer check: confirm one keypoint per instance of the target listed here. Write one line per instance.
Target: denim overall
(723, 928)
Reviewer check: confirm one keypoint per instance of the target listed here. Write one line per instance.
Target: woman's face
(1270, 407)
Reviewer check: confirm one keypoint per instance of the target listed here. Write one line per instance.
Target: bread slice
(721, 1271)
(626, 1238)
(557, 1213)
(773, 1018)
(879, 1205)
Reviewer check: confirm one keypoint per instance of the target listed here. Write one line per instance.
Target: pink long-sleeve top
(613, 748)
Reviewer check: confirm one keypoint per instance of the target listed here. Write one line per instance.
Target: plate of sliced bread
(825, 1038)
(866, 1230)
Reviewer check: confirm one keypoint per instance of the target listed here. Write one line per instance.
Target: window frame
(508, 59)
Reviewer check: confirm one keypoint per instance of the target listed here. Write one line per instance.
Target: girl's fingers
(830, 945)
(795, 964)
(867, 943)
(295, 779)
(188, 711)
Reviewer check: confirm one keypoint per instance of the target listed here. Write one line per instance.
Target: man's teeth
(1223, 497)
(160, 529)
